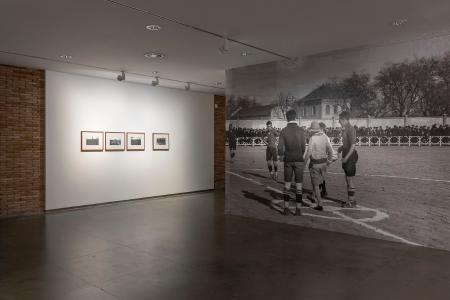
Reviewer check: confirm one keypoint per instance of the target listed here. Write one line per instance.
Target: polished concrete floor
(184, 247)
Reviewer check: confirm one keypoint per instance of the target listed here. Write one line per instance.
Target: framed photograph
(114, 141)
(160, 141)
(92, 141)
(135, 141)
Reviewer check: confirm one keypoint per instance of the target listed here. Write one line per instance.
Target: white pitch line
(380, 231)
(249, 179)
(373, 175)
(343, 216)
(410, 178)
(395, 176)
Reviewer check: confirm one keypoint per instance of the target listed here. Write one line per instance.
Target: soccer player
(291, 146)
(319, 156)
(232, 140)
(271, 151)
(349, 156)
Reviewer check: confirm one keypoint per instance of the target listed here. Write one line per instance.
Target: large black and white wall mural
(358, 141)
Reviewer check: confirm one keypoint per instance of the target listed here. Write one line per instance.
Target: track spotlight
(187, 86)
(121, 77)
(156, 81)
(225, 48)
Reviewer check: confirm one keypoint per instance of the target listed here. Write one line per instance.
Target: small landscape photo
(135, 141)
(160, 141)
(115, 141)
(91, 141)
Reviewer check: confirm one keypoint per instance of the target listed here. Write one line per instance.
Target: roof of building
(255, 112)
(324, 91)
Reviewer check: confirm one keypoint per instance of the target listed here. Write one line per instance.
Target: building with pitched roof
(260, 112)
(322, 103)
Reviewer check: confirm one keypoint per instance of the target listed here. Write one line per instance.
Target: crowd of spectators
(412, 130)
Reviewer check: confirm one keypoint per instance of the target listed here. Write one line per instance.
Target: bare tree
(231, 105)
(361, 93)
(243, 102)
(398, 85)
(444, 84)
(433, 77)
(430, 85)
(285, 102)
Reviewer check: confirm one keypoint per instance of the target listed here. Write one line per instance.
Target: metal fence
(370, 141)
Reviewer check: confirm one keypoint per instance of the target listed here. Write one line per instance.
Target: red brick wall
(22, 141)
(219, 142)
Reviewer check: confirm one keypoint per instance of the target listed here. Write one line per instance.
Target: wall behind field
(360, 122)
(76, 103)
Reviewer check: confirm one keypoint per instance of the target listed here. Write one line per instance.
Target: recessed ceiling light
(245, 53)
(399, 22)
(65, 56)
(153, 27)
(154, 55)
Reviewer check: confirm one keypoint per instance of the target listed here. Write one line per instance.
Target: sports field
(403, 194)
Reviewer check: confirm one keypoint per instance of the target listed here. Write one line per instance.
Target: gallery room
(224, 150)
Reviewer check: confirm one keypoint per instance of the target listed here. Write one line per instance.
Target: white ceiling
(99, 33)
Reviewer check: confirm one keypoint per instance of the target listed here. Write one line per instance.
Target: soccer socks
(298, 203)
(270, 168)
(286, 197)
(298, 199)
(286, 201)
(351, 197)
(323, 189)
(275, 173)
(351, 194)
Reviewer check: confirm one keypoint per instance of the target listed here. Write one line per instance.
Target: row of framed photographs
(121, 141)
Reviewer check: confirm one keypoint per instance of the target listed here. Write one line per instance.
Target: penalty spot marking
(337, 212)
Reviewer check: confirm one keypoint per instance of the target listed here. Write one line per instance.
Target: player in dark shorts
(292, 146)
(349, 156)
(232, 140)
(271, 150)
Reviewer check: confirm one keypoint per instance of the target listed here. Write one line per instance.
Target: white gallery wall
(75, 103)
